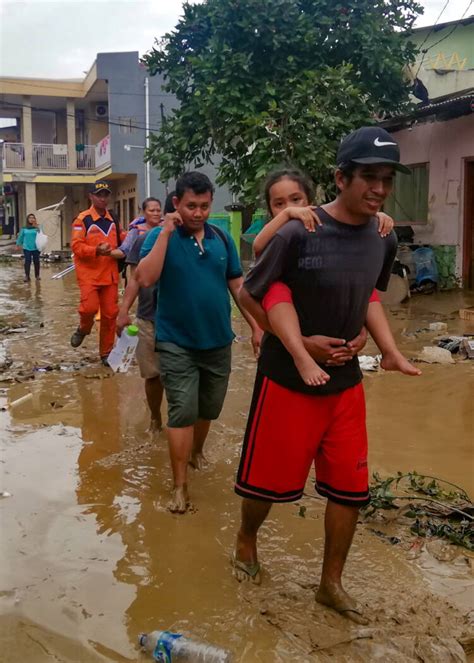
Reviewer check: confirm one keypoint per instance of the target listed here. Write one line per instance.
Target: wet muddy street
(90, 557)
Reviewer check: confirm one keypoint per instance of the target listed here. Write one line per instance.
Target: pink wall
(444, 145)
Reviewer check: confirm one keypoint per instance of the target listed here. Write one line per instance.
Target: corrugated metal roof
(459, 103)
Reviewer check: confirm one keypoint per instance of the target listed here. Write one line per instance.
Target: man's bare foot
(334, 596)
(198, 460)
(312, 374)
(179, 502)
(245, 566)
(156, 426)
(397, 362)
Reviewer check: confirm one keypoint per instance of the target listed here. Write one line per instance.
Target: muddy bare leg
(201, 429)
(340, 523)
(154, 396)
(180, 442)
(285, 324)
(253, 514)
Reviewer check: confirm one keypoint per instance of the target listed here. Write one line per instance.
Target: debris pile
(431, 510)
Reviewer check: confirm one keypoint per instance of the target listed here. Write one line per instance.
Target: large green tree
(266, 82)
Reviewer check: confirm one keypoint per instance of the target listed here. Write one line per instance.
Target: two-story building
(437, 141)
(63, 135)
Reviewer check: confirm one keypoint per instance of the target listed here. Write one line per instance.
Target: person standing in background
(169, 204)
(147, 357)
(27, 240)
(96, 236)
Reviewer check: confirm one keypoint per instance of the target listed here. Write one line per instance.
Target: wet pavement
(90, 557)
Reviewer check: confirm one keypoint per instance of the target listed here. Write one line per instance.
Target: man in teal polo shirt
(196, 265)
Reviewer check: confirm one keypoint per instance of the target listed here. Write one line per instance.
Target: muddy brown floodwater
(90, 557)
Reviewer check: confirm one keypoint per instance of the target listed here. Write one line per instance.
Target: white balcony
(47, 157)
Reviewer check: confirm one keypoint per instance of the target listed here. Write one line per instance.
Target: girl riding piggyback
(288, 195)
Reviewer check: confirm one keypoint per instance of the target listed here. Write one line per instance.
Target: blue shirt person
(193, 300)
(195, 265)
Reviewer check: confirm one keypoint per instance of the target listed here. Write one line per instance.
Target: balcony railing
(86, 158)
(47, 157)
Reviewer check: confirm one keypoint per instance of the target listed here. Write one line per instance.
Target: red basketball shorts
(288, 431)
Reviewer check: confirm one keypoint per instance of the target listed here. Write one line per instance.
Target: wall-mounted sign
(102, 152)
(59, 150)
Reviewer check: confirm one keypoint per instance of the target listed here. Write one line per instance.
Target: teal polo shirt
(193, 298)
(27, 238)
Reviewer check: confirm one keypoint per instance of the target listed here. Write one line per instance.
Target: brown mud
(90, 557)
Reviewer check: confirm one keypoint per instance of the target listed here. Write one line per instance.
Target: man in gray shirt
(147, 357)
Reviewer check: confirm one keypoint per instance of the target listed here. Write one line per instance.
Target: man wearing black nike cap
(331, 274)
(370, 145)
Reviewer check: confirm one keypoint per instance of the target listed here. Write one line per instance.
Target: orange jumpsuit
(97, 276)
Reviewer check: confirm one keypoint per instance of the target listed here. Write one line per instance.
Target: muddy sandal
(245, 572)
(354, 614)
(346, 608)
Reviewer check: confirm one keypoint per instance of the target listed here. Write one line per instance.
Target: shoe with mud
(26, 279)
(77, 338)
(105, 361)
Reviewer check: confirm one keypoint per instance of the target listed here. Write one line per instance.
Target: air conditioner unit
(101, 110)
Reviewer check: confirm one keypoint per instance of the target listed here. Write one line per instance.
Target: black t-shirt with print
(332, 274)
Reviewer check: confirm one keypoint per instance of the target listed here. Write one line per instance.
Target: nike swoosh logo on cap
(380, 143)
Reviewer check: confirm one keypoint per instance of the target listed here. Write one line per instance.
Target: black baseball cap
(100, 185)
(369, 145)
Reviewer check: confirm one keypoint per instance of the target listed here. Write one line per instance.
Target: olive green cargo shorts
(195, 382)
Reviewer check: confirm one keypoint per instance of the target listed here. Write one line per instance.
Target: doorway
(131, 210)
(468, 234)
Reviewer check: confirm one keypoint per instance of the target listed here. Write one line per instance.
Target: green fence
(232, 224)
(221, 221)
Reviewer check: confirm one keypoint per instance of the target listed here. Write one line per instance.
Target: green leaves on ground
(440, 509)
(262, 83)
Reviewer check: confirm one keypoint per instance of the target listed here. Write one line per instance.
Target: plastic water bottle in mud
(167, 647)
(121, 356)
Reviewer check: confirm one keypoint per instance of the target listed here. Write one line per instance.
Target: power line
(111, 122)
(453, 29)
(428, 36)
(457, 24)
(435, 24)
(125, 125)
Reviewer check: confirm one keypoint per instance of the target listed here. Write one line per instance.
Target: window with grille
(408, 202)
(126, 125)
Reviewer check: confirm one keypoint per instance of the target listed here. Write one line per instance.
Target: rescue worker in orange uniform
(96, 236)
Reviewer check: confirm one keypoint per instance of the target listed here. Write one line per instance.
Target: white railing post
(49, 157)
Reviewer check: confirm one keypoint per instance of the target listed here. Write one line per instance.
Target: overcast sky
(60, 39)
